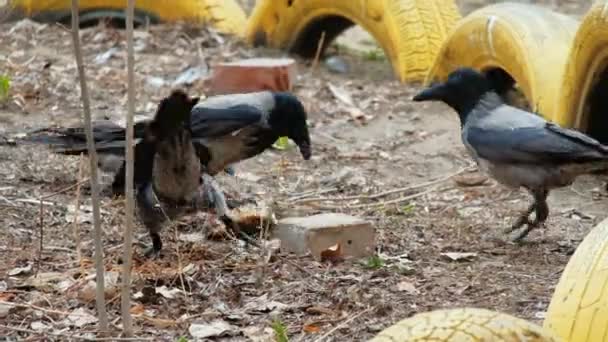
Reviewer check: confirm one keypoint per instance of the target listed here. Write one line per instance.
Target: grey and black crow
(174, 179)
(516, 147)
(225, 129)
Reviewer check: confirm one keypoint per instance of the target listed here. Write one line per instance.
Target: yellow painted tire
(587, 61)
(409, 31)
(579, 307)
(467, 324)
(226, 15)
(529, 42)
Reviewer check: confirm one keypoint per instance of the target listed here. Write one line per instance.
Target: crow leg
(152, 217)
(153, 252)
(542, 212)
(118, 185)
(523, 219)
(221, 209)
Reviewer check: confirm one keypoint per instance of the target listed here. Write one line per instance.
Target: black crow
(225, 130)
(516, 147)
(173, 173)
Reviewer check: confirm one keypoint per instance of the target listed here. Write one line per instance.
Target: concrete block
(251, 75)
(317, 233)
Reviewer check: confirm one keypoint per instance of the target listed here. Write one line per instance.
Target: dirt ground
(398, 144)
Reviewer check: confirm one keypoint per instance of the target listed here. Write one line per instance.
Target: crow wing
(547, 144)
(216, 122)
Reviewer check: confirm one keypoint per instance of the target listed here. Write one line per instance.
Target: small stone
(317, 233)
(336, 64)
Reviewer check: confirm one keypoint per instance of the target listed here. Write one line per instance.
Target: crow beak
(434, 92)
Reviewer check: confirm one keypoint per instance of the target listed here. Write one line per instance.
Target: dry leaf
(332, 254)
(80, 317)
(341, 94)
(161, 323)
(311, 328)
(457, 256)
(137, 309)
(262, 304)
(5, 309)
(20, 270)
(213, 329)
(168, 293)
(406, 286)
(258, 334)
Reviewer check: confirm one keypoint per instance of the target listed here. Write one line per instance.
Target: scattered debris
(190, 75)
(457, 256)
(80, 317)
(215, 328)
(337, 64)
(406, 286)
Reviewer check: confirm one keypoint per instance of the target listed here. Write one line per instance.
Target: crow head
(462, 90)
(176, 167)
(172, 115)
(288, 118)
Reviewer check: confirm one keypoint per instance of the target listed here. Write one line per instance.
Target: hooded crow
(172, 174)
(516, 147)
(225, 129)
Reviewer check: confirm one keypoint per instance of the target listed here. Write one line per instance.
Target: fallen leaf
(215, 328)
(5, 309)
(262, 304)
(191, 237)
(457, 256)
(311, 328)
(406, 286)
(161, 323)
(168, 293)
(257, 334)
(38, 326)
(20, 270)
(332, 254)
(250, 177)
(137, 309)
(470, 180)
(80, 317)
(45, 280)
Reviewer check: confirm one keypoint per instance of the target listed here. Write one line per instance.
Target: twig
(383, 193)
(75, 229)
(41, 214)
(376, 204)
(127, 320)
(84, 95)
(343, 324)
(34, 307)
(40, 246)
(315, 61)
(307, 194)
(29, 331)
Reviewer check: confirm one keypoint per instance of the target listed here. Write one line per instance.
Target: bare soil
(397, 144)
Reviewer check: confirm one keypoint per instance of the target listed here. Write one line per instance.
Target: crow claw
(152, 253)
(234, 227)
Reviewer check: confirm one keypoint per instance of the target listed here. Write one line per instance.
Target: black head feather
(462, 90)
(172, 113)
(288, 118)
